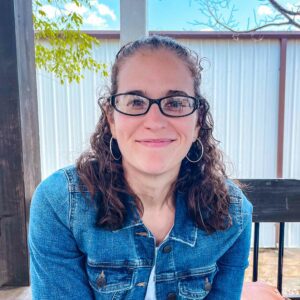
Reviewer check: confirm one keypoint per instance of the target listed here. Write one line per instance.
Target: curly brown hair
(203, 182)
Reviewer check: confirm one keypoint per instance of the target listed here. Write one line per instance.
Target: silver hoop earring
(111, 150)
(201, 151)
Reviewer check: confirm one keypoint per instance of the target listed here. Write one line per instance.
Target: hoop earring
(201, 154)
(111, 150)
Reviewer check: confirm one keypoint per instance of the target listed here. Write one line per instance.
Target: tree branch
(217, 20)
(210, 9)
(284, 12)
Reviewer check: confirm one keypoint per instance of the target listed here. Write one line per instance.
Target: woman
(148, 212)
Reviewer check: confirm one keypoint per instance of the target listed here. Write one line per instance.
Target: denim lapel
(184, 229)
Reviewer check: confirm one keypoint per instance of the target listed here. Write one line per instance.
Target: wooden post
(19, 138)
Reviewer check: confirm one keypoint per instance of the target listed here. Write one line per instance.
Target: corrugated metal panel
(240, 80)
(241, 84)
(68, 113)
(291, 159)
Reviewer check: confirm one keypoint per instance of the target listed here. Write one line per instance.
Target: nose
(154, 119)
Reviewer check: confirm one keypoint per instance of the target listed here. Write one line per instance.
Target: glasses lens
(178, 105)
(131, 104)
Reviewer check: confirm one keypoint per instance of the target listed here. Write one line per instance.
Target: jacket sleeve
(57, 267)
(228, 282)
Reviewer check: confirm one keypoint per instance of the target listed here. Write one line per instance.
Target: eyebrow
(169, 93)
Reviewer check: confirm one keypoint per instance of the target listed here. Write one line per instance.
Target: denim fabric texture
(71, 258)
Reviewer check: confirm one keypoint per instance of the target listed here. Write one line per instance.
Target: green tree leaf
(60, 46)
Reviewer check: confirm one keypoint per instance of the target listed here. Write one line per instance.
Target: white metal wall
(68, 113)
(240, 80)
(291, 159)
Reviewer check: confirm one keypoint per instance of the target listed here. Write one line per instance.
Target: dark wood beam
(19, 138)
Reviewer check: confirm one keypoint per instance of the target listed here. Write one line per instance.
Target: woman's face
(153, 143)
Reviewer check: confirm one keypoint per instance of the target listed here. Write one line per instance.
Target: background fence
(242, 80)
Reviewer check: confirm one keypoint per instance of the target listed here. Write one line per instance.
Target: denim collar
(184, 229)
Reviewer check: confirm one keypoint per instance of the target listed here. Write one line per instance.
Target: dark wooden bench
(274, 200)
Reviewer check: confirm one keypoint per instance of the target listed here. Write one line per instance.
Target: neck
(153, 190)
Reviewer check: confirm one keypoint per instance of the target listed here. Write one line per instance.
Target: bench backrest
(274, 200)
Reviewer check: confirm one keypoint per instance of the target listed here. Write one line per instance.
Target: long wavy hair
(203, 182)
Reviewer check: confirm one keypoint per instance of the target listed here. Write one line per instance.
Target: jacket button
(207, 285)
(101, 281)
(171, 296)
(167, 249)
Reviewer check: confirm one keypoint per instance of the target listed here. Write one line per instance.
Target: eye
(135, 102)
(175, 103)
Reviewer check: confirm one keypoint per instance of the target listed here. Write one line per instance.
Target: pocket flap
(107, 279)
(197, 283)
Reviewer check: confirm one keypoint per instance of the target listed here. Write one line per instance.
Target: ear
(111, 123)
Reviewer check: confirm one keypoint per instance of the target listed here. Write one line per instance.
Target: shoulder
(57, 183)
(53, 194)
(240, 208)
(63, 180)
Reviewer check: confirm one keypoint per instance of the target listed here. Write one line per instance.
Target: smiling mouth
(155, 142)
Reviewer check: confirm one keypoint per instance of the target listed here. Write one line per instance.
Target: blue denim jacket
(70, 258)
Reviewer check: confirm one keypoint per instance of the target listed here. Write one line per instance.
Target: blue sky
(168, 14)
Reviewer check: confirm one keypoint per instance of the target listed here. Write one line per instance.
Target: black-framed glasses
(172, 106)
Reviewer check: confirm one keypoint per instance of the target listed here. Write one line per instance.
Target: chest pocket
(196, 283)
(110, 282)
